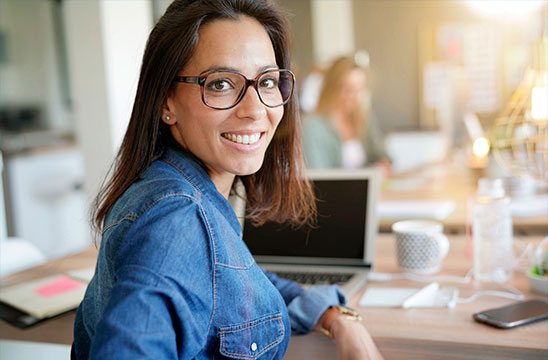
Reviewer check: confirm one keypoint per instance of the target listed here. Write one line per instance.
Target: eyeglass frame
(200, 80)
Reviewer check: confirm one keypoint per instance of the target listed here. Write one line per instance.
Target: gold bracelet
(351, 314)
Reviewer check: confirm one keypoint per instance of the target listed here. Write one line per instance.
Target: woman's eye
(268, 83)
(219, 85)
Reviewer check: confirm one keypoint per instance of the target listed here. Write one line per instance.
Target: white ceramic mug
(421, 245)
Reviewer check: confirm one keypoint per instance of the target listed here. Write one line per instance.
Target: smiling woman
(174, 278)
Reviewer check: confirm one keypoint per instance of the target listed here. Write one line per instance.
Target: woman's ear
(167, 115)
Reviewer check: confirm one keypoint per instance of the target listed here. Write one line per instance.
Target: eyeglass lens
(224, 89)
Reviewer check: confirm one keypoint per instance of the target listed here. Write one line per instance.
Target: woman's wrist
(327, 319)
(335, 314)
(340, 323)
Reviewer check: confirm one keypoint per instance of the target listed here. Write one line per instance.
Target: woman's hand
(353, 340)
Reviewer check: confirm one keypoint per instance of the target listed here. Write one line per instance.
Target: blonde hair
(333, 83)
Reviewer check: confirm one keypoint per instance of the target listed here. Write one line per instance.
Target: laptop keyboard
(314, 278)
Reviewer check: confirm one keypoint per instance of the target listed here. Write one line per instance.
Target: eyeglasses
(224, 89)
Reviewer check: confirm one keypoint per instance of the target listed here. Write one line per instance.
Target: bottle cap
(491, 187)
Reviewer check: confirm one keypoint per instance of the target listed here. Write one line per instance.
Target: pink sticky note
(58, 286)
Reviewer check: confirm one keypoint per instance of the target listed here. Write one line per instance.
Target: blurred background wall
(400, 37)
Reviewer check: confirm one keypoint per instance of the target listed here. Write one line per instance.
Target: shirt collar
(194, 171)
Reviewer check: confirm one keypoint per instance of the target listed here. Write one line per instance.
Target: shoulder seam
(213, 267)
(182, 173)
(135, 217)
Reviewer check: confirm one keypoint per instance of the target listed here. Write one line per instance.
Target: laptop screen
(340, 231)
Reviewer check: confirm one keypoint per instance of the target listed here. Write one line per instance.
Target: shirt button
(253, 346)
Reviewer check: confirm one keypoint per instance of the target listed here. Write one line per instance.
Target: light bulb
(481, 147)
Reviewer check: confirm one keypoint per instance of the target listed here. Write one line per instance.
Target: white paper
(386, 297)
(430, 296)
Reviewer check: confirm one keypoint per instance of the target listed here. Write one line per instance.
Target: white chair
(15, 254)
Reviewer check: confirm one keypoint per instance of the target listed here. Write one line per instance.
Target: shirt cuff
(306, 309)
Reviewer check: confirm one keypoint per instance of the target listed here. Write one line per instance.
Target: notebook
(340, 248)
(26, 304)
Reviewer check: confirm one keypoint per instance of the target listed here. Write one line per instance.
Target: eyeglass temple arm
(190, 79)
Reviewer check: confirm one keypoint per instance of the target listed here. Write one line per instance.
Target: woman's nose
(251, 106)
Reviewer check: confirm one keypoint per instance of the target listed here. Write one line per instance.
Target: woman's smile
(245, 139)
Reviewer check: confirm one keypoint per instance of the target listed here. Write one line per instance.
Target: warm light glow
(481, 147)
(510, 8)
(539, 103)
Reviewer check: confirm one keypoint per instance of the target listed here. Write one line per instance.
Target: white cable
(513, 293)
(477, 294)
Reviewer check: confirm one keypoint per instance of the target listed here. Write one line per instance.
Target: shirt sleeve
(306, 309)
(155, 308)
(306, 306)
(289, 289)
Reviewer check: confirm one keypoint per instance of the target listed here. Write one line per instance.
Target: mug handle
(443, 244)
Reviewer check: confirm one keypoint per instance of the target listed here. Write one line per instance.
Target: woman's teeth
(243, 139)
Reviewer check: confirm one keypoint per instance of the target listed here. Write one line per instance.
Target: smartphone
(510, 316)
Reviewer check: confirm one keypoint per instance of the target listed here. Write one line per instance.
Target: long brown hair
(278, 191)
(332, 85)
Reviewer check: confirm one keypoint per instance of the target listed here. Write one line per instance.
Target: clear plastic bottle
(492, 233)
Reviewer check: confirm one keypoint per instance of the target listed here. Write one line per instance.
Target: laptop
(340, 248)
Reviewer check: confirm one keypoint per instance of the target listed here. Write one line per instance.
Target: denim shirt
(174, 279)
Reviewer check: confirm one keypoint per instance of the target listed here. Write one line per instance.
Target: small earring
(168, 118)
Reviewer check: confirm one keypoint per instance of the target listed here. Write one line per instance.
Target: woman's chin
(248, 168)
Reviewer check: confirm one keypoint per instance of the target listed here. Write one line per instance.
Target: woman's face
(352, 90)
(244, 46)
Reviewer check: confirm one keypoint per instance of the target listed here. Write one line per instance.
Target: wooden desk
(446, 181)
(399, 333)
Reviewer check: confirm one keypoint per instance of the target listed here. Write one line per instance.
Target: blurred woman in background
(342, 132)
